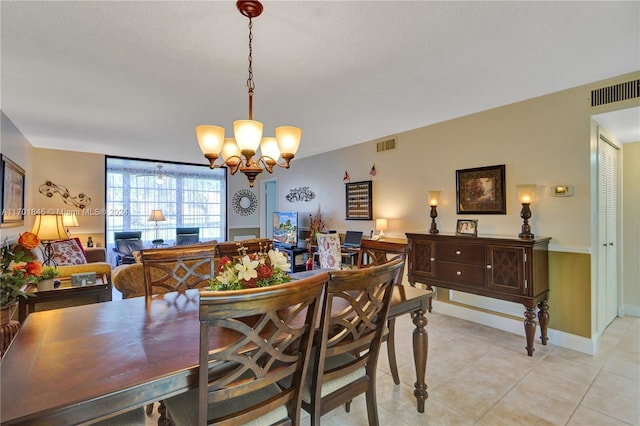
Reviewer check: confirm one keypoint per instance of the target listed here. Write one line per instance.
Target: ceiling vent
(615, 93)
(387, 145)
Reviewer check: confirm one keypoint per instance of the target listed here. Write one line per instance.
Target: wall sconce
(434, 199)
(526, 194)
(49, 227)
(381, 226)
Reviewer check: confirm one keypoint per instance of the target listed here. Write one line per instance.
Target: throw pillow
(68, 252)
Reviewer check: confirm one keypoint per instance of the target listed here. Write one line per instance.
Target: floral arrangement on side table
(18, 268)
(316, 226)
(251, 271)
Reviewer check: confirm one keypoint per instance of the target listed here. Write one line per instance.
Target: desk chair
(187, 236)
(273, 329)
(346, 346)
(373, 253)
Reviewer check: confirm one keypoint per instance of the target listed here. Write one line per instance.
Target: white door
(607, 228)
(269, 203)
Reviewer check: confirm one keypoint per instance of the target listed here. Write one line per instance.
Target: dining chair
(269, 332)
(237, 248)
(329, 251)
(347, 343)
(177, 268)
(373, 253)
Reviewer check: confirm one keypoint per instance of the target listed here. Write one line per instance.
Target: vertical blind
(189, 196)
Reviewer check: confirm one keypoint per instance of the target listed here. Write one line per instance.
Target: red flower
(252, 283)
(34, 268)
(264, 271)
(223, 261)
(29, 240)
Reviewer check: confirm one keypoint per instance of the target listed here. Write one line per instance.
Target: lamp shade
(230, 151)
(434, 197)
(157, 216)
(288, 138)
(210, 139)
(49, 227)
(70, 220)
(269, 148)
(526, 193)
(248, 134)
(381, 224)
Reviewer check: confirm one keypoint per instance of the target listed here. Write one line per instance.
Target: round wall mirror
(244, 202)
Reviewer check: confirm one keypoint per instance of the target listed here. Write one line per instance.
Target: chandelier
(248, 133)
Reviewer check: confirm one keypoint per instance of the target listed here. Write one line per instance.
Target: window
(188, 196)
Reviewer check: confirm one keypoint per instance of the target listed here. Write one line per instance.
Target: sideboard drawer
(469, 275)
(473, 254)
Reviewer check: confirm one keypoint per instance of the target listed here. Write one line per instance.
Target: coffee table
(101, 290)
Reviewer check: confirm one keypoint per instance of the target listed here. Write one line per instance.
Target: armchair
(187, 236)
(125, 244)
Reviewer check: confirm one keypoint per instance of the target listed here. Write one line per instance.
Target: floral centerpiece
(251, 271)
(18, 268)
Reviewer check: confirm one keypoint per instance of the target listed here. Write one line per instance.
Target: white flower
(227, 276)
(247, 269)
(279, 260)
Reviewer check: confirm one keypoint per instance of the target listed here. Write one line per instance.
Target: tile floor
(478, 375)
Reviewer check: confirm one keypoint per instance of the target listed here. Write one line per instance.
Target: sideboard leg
(530, 329)
(543, 319)
(420, 350)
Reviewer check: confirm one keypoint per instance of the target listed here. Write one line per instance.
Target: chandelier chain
(250, 84)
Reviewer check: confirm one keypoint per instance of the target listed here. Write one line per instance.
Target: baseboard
(632, 310)
(556, 337)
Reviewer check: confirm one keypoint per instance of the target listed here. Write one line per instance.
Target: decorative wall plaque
(359, 201)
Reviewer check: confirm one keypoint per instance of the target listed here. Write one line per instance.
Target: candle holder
(434, 198)
(525, 195)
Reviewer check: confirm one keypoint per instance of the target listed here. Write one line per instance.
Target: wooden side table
(101, 291)
(7, 333)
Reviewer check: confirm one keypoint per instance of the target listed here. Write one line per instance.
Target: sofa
(129, 279)
(96, 259)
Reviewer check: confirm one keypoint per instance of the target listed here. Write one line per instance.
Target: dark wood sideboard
(508, 269)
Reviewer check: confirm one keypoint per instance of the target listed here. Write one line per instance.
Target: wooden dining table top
(71, 365)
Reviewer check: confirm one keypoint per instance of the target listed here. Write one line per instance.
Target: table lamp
(157, 216)
(526, 193)
(70, 220)
(434, 199)
(381, 226)
(49, 227)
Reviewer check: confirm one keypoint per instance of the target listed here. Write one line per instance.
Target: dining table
(79, 364)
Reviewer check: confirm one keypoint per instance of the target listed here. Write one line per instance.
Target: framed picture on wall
(358, 201)
(481, 190)
(12, 198)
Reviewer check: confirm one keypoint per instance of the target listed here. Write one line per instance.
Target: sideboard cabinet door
(506, 270)
(422, 258)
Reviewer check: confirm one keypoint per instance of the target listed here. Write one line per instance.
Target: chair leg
(149, 409)
(372, 406)
(391, 351)
(347, 406)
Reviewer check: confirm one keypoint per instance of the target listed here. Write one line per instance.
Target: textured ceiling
(135, 78)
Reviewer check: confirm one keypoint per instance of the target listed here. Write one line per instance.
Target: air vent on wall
(615, 93)
(386, 145)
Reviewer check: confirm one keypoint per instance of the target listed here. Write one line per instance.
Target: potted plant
(17, 269)
(46, 278)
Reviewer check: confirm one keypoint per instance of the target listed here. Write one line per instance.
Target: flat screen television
(285, 229)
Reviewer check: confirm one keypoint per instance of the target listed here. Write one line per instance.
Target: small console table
(508, 269)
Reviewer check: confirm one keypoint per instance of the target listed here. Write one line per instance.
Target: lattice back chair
(346, 346)
(237, 248)
(270, 332)
(177, 268)
(373, 253)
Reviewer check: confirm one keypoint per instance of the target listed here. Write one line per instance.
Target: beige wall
(631, 224)
(544, 140)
